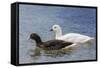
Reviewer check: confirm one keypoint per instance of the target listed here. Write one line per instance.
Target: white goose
(70, 37)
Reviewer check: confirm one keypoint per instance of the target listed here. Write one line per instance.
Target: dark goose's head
(35, 37)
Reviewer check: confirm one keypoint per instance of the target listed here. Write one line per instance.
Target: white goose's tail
(89, 40)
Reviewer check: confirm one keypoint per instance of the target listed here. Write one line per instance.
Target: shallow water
(39, 19)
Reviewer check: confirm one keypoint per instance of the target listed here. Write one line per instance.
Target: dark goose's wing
(56, 44)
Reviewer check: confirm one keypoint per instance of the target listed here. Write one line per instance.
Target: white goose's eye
(55, 27)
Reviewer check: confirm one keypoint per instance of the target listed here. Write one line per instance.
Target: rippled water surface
(39, 19)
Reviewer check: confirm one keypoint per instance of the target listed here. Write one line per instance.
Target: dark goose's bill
(49, 45)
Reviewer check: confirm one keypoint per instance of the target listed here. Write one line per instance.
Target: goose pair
(61, 41)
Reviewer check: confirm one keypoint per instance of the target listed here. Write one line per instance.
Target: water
(39, 19)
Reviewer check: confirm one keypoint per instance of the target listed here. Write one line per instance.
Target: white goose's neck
(58, 33)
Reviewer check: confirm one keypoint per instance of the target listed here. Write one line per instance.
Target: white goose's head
(57, 30)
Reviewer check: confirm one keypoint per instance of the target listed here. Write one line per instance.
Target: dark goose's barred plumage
(51, 44)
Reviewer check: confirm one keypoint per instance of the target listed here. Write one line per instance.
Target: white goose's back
(75, 38)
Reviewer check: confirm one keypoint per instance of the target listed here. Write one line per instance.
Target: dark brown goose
(51, 44)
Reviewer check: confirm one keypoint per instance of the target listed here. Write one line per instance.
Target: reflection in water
(37, 52)
(58, 53)
(88, 44)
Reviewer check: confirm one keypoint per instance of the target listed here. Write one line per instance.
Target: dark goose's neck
(36, 38)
